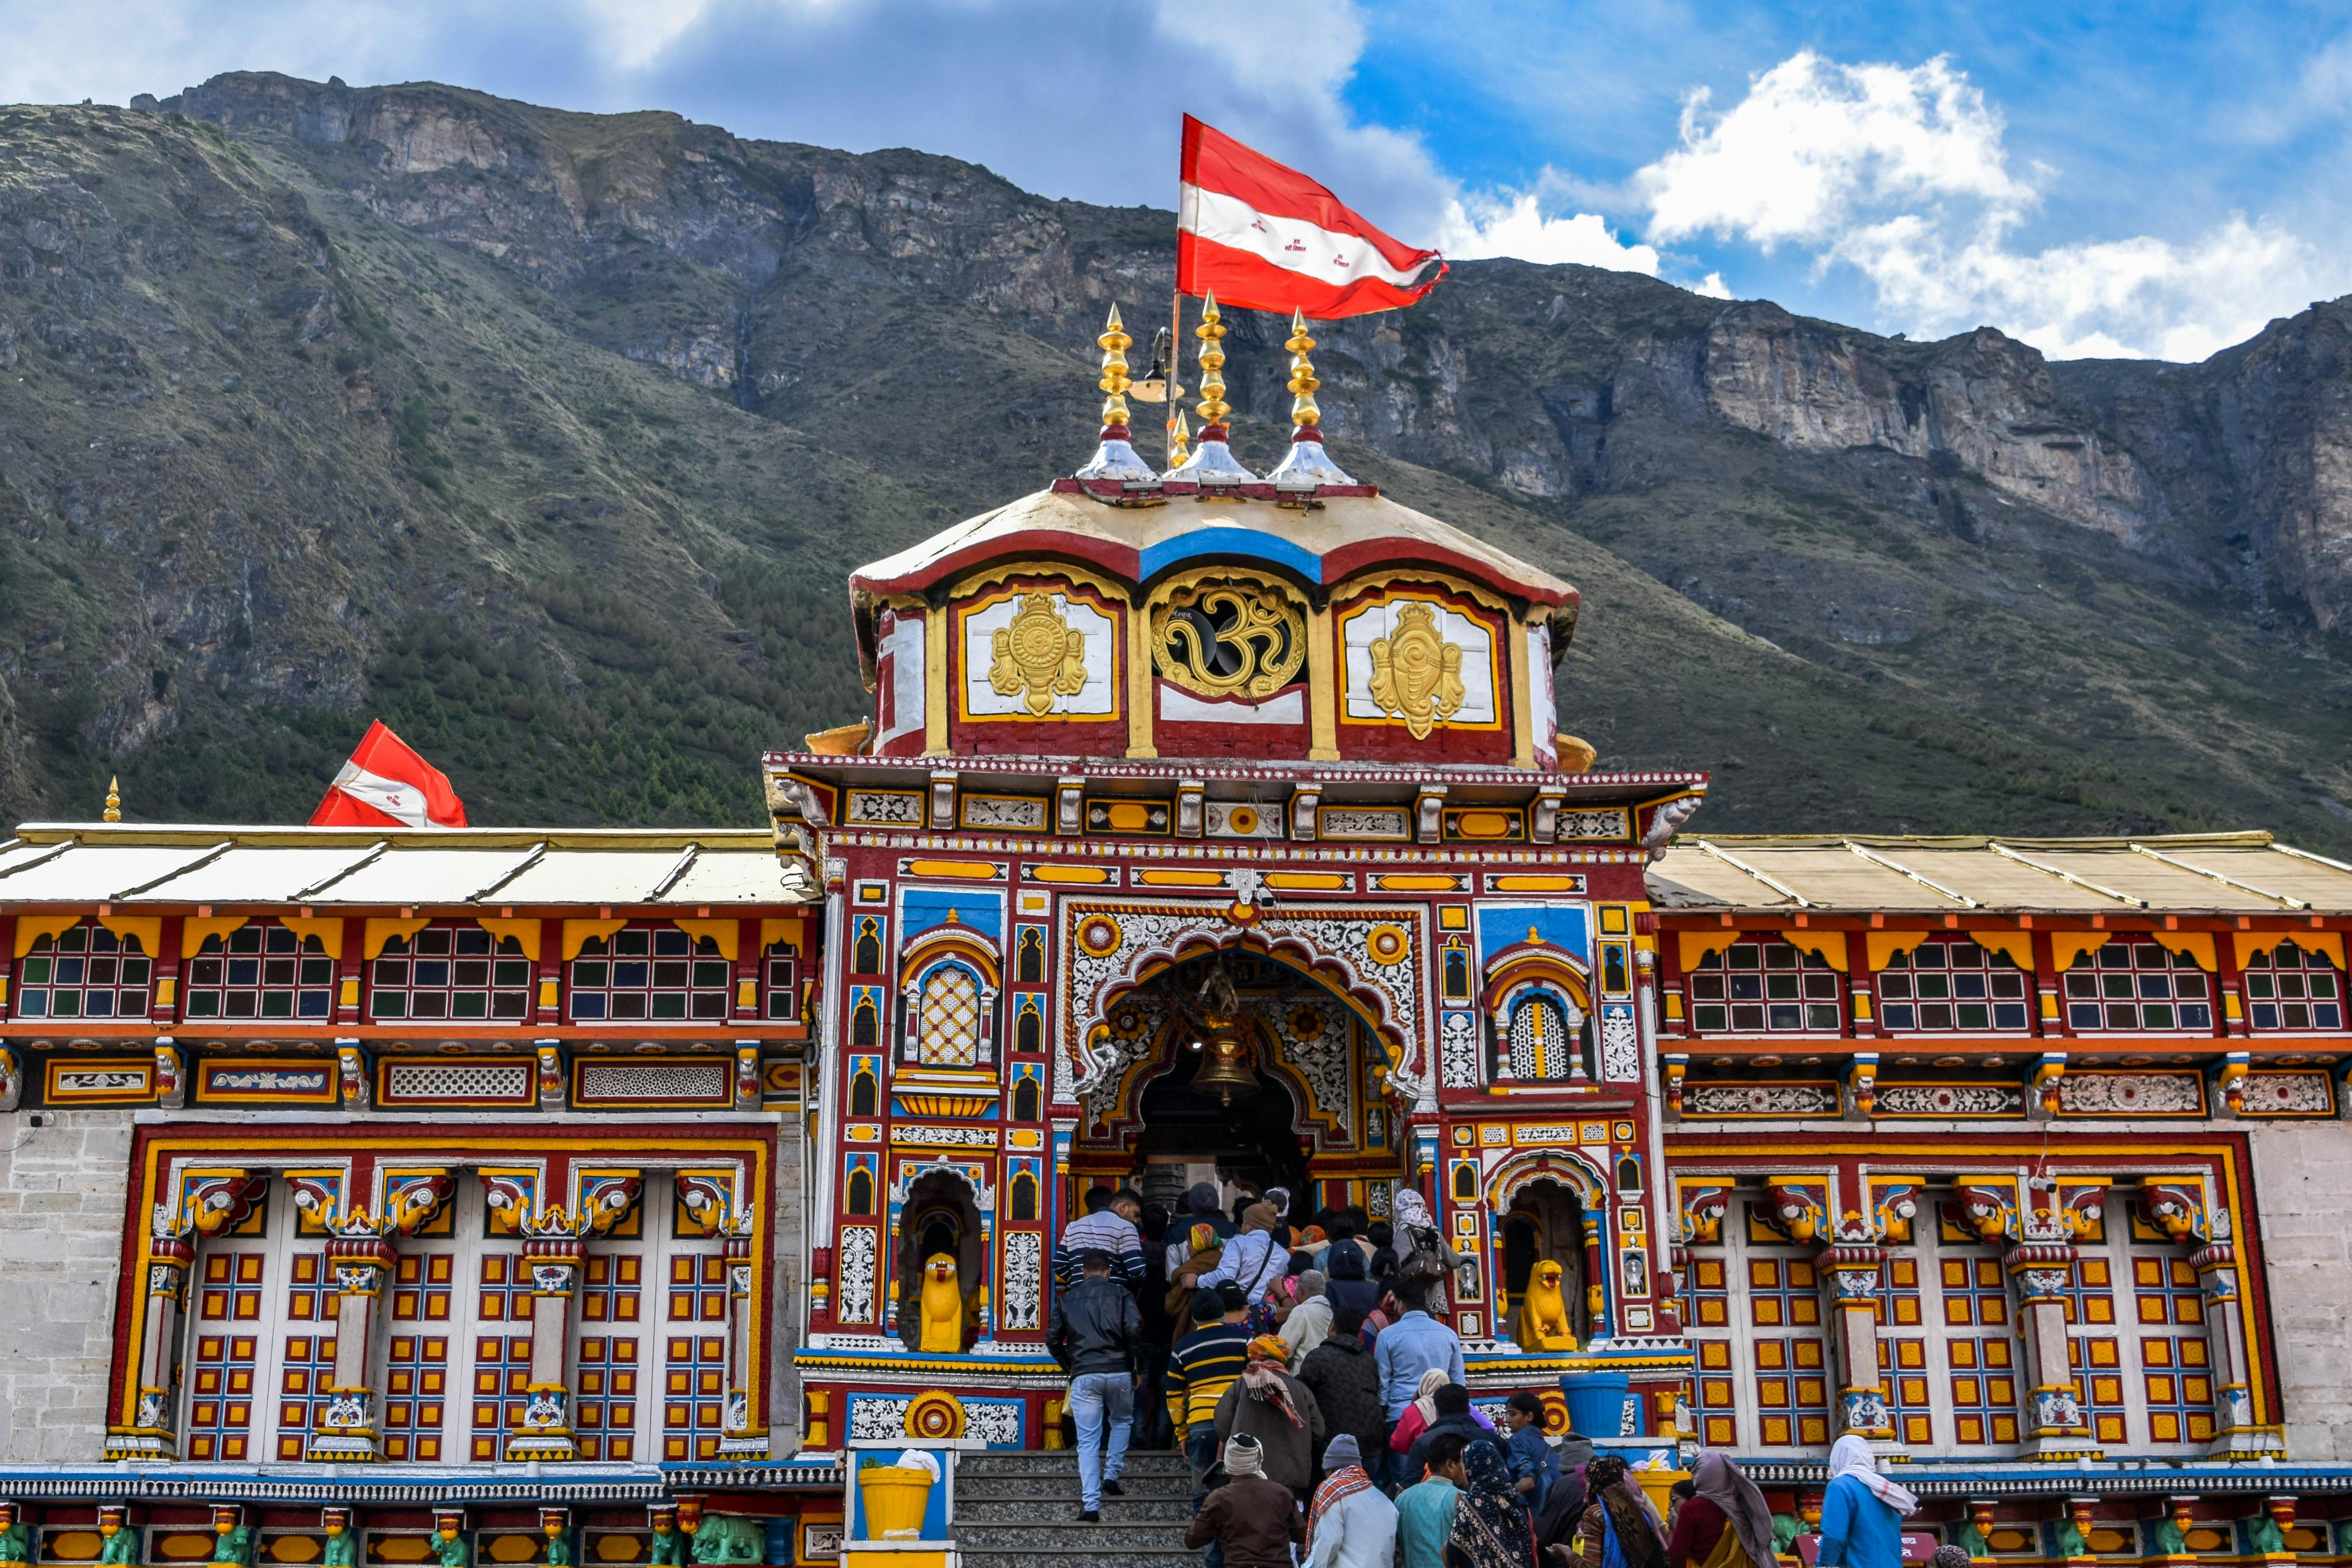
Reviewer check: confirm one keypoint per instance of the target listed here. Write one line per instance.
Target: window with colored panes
(84, 972)
(261, 970)
(2138, 987)
(1902, 1351)
(781, 979)
(2287, 988)
(1763, 987)
(1979, 1344)
(2175, 1360)
(1951, 987)
(649, 973)
(450, 971)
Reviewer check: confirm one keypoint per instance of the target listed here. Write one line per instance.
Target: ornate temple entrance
(1247, 1073)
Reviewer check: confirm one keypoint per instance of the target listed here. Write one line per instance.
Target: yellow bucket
(895, 1501)
(1657, 1483)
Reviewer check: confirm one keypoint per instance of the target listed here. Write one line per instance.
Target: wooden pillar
(1854, 1273)
(152, 1433)
(2055, 1427)
(739, 1434)
(347, 1432)
(546, 1429)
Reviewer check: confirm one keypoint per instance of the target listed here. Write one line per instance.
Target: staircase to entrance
(1021, 1510)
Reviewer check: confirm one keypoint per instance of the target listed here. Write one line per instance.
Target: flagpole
(1176, 304)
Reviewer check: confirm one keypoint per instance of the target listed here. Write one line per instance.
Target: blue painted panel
(1568, 926)
(1247, 543)
(922, 909)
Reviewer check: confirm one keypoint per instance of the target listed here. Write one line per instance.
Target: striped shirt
(1101, 1231)
(1205, 1363)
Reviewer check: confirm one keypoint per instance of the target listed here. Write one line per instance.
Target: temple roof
(1337, 536)
(86, 863)
(2221, 873)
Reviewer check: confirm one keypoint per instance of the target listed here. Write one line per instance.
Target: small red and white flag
(386, 785)
(1266, 238)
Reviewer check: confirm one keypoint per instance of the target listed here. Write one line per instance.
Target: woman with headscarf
(1422, 1413)
(1268, 1404)
(1350, 1523)
(1422, 1251)
(1620, 1531)
(1185, 1277)
(1724, 1523)
(1492, 1528)
(1862, 1512)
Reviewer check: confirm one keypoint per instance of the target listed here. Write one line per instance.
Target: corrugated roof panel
(735, 877)
(410, 877)
(1998, 883)
(2323, 888)
(2146, 878)
(252, 877)
(95, 875)
(589, 877)
(1839, 878)
(1711, 880)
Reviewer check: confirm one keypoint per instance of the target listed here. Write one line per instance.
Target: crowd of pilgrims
(1325, 1414)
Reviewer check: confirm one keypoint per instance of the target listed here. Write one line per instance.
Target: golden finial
(1182, 434)
(1211, 332)
(1114, 341)
(114, 811)
(1303, 411)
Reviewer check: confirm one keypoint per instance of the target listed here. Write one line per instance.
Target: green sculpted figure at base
(16, 1543)
(235, 1546)
(449, 1549)
(559, 1549)
(668, 1548)
(122, 1546)
(728, 1538)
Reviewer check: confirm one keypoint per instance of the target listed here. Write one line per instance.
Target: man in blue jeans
(1092, 1335)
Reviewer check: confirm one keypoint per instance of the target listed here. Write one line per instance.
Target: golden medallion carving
(1416, 673)
(1038, 656)
(1229, 639)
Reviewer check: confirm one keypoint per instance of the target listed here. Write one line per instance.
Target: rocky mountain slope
(549, 438)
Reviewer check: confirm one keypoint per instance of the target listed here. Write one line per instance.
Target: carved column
(546, 1429)
(1596, 1280)
(2055, 1427)
(347, 1425)
(2225, 1336)
(737, 1436)
(152, 1433)
(1853, 1273)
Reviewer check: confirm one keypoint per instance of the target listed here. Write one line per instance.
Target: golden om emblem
(1416, 673)
(1233, 639)
(1038, 656)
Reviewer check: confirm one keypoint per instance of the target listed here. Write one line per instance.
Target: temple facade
(506, 1196)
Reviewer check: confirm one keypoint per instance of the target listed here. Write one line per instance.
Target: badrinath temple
(521, 1196)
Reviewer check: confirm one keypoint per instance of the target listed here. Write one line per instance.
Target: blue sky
(2144, 179)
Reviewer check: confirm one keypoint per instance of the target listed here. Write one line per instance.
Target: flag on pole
(386, 785)
(1266, 238)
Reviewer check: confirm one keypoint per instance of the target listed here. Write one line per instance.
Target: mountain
(549, 438)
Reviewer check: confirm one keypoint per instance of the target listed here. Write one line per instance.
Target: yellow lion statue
(942, 1305)
(1543, 1312)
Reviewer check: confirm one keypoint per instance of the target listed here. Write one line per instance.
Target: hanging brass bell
(1227, 1069)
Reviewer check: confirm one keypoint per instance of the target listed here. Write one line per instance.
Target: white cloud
(1902, 174)
(1712, 286)
(1479, 227)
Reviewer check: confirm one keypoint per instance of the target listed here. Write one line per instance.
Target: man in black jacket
(1346, 1387)
(1093, 1334)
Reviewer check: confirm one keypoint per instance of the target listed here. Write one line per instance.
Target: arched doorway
(939, 1217)
(1234, 1067)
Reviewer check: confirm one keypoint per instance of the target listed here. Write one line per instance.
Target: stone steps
(1020, 1509)
(1128, 1510)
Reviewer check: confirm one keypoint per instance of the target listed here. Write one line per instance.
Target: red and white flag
(386, 785)
(1266, 238)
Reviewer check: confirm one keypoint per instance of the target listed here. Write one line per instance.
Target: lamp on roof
(1212, 461)
(1115, 458)
(1307, 465)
